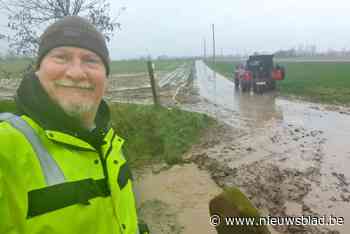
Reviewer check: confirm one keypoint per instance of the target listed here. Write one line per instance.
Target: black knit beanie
(73, 31)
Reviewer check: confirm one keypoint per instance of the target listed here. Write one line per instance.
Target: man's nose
(75, 71)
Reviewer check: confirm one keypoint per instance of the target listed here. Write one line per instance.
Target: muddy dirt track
(291, 158)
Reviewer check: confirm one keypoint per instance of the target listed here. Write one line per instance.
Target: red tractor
(259, 73)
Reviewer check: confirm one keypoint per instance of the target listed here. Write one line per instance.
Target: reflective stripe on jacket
(70, 193)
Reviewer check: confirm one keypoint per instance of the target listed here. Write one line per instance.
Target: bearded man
(61, 164)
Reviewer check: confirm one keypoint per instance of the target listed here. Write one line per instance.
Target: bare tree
(27, 19)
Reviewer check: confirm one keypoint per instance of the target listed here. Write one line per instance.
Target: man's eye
(92, 60)
(60, 58)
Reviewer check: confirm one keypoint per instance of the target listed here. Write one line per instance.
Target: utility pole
(214, 69)
(213, 43)
(205, 49)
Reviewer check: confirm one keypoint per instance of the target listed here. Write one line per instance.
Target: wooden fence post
(153, 84)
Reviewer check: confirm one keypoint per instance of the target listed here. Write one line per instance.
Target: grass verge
(157, 134)
(7, 106)
(324, 82)
(152, 134)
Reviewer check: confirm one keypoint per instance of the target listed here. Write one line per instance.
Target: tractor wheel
(249, 86)
(243, 87)
(246, 87)
(273, 85)
(268, 85)
(236, 83)
(255, 88)
(259, 89)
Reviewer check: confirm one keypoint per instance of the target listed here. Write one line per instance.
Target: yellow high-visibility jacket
(70, 188)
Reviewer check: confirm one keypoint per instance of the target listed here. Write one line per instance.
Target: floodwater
(170, 202)
(288, 137)
(219, 90)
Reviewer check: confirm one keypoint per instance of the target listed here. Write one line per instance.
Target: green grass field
(13, 66)
(326, 82)
(120, 66)
(151, 134)
(318, 81)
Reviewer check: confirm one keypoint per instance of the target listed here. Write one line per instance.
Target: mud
(289, 157)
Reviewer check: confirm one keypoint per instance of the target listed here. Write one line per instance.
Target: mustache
(72, 84)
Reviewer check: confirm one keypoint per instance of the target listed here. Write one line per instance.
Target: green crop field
(327, 82)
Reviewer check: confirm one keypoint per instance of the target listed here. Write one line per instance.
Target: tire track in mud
(137, 89)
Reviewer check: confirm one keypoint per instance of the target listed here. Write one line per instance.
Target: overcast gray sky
(178, 27)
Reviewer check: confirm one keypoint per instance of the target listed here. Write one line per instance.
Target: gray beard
(79, 110)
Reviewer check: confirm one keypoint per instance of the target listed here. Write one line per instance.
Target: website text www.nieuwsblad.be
(327, 220)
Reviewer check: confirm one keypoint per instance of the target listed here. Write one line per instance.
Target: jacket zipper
(105, 171)
(104, 159)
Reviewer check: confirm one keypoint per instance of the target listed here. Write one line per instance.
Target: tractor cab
(260, 74)
(261, 66)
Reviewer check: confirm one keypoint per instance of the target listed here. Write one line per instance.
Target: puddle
(180, 197)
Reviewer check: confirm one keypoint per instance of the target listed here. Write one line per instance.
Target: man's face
(74, 78)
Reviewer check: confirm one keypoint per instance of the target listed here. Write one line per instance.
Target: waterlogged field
(121, 66)
(327, 82)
